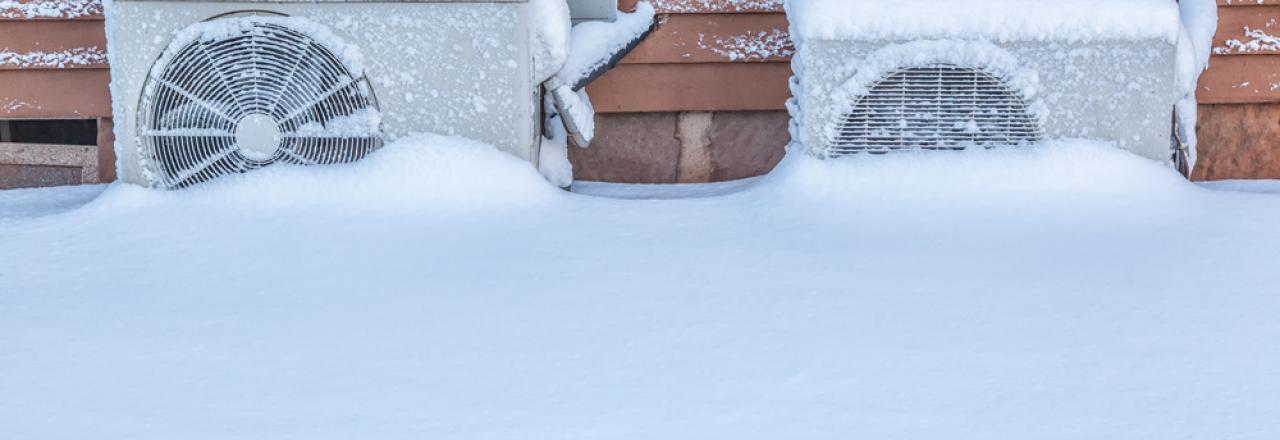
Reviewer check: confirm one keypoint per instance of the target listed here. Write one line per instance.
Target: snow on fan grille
(939, 106)
(250, 93)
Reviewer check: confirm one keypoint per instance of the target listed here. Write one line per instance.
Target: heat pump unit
(875, 76)
(207, 88)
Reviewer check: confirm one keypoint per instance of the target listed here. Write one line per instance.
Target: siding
(705, 55)
(1240, 95)
(53, 65)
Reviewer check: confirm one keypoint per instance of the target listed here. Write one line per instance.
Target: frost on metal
(1111, 80)
(11, 9)
(453, 68)
(237, 94)
(999, 20)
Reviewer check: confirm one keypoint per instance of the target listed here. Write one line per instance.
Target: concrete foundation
(689, 147)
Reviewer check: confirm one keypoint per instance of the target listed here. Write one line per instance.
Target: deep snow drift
(441, 289)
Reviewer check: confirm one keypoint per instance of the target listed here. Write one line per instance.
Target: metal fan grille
(936, 107)
(312, 108)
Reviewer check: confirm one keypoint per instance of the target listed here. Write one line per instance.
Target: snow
(551, 24)
(365, 122)
(1259, 41)
(217, 30)
(18, 204)
(1199, 25)
(983, 55)
(696, 6)
(594, 44)
(441, 289)
(553, 154)
(756, 45)
(80, 56)
(998, 20)
(576, 106)
(646, 191)
(1245, 186)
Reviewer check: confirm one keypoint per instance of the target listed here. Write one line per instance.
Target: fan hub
(258, 137)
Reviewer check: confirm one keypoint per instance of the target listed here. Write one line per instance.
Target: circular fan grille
(245, 99)
(937, 107)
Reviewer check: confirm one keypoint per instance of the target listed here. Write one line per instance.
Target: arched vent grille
(246, 99)
(936, 107)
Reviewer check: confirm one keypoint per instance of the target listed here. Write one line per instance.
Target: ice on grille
(306, 96)
(940, 106)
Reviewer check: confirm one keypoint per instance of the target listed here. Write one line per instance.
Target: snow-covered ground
(443, 290)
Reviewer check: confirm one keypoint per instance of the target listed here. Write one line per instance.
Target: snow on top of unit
(1001, 20)
(224, 28)
(10, 9)
(551, 29)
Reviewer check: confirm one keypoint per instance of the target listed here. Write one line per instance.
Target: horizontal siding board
(716, 38)
(41, 94)
(1233, 23)
(692, 87)
(1242, 3)
(90, 10)
(1241, 79)
(53, 44)
(716, 6)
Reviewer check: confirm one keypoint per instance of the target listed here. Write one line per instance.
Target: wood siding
(1244, 68)
(704, 55)
(53, 65)
(1239, 125)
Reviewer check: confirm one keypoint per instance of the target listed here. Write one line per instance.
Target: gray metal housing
(458, 68)
(593, 10)
(1117, 91)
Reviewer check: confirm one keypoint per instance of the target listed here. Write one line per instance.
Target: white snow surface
(999, 20)
(593, 44)
(79, 56)
(441, 289)
(551, 24)
(553, 154)
(1195, 47)
(365, 122)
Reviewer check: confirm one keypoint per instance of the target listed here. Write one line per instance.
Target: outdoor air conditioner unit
(876, 76)
(207, 88)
